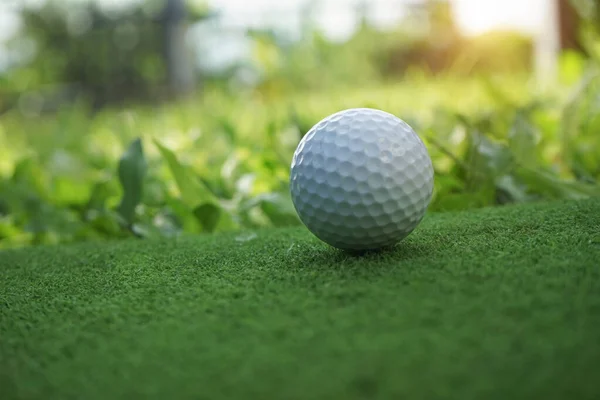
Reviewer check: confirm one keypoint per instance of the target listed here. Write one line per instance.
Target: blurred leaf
(447, 183)
(146, 231)
(195, 195)
(572, 112)
(154, 192)
(571, 66)
(229, 129)
(544, 183)
(500, 95)
(278, 208)
(29, 174)
(193, 192)
(105, 222)
(244, 185)
(69, 191)
(208, 216)
(522, 140)
(101, 192)
(486, 159)
(132, 171)
(183, 215)
(218, 186)
(8, 229)
(514, 189)
(587, 9)
(11, 235)
(167, 223)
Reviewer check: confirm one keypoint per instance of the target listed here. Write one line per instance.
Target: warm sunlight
(477, 16)
(473, 16)
(535, 17)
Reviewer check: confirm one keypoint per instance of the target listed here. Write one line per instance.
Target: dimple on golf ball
(361, 179)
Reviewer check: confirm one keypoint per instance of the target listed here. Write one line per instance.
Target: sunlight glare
(477, 16)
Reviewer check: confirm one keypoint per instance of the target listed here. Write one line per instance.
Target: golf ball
(361, 179)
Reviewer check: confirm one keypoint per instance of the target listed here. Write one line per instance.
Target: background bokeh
(161, 117)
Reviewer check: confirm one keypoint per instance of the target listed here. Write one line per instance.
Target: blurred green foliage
(589, 32)
(79, 50)
(372, 55)
(589, 10)
(220, 160)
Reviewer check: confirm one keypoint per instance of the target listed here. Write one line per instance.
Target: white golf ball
(361, 179)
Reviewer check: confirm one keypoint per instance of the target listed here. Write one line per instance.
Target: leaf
(277, 207)
(574, 113)
(208, 216)
(101, 192)
(522, 140)
(494, 156)
(166, 223)
(70, 191)
(502, 96)
(29, 174)
(105, 222)
(154, 192)
(229, 129)
(193, 192)
(146, 231)
(585, 8)
(183, 215)
(571, 66)
(514, 189)
(8, 229)
(545, 183)
(485, 159)
(132, 170)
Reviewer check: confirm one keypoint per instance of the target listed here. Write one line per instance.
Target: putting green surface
(499, 303)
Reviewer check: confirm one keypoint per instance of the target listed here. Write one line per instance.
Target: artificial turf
(500, 303)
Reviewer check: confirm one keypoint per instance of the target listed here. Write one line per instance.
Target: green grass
(495, 303)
